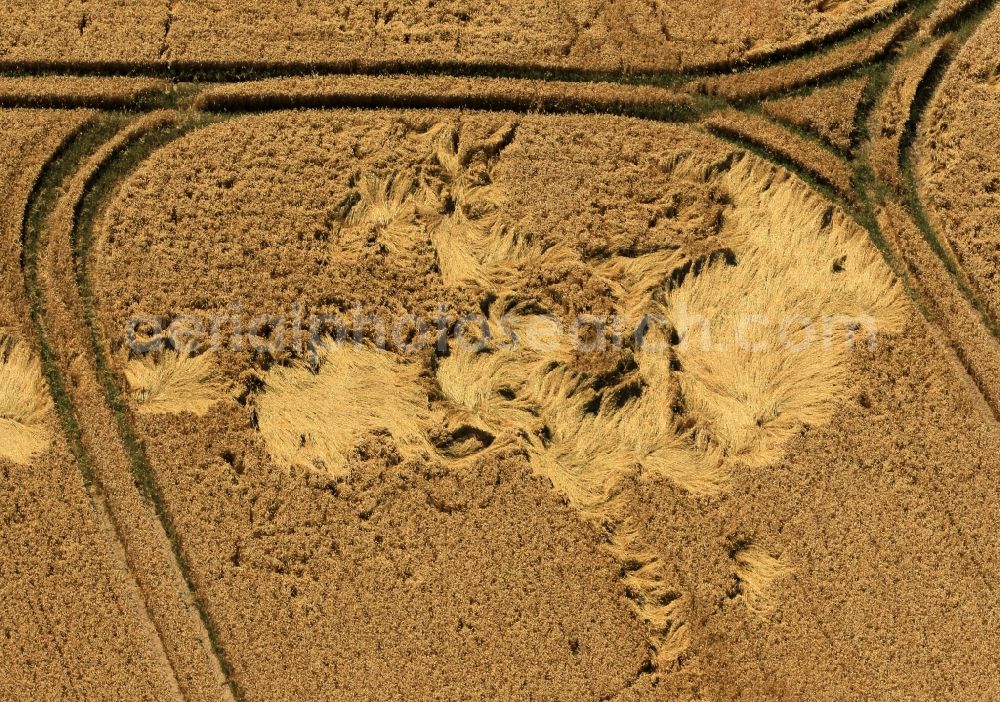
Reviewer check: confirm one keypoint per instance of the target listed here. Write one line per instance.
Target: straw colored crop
(24, 403)
(763, 343)
(784, 76)
(960, 187)
(826, 112)
(528, 219)
(78, 91)
(892, 113)
(142, 538)
(313, 418)
(420, 514)
(803, 268)
(452, 204)
(745, 404)
(807, 278)
(420, 91)
(648, 580)
(541, 398)
(177, 381)
(106, 31)
(463, 210)
(629, 36)
(75, 621)
(821, 163)
(757, 571)
(947, 10)
(960, 324)
(28, 138)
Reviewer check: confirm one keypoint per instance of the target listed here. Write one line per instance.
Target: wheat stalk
(173, 382)
(757, 570)
(24, 403)
(314, 418)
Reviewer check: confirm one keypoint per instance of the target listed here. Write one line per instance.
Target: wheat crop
(757, 571)
(78, 91)
(813, 158)
(786, 76)
(892, 112)
(589, 421)
(594, 36)
(827, 112)
(24, 403)
(423, 91)
(312, 417)
(174, 381)
(959, 188)
(945, 11)
(801, 271)
(51, 31)
(28, 138)
(462, 208)
(792, 259)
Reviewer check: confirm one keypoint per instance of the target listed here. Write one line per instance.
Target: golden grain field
(559, 351)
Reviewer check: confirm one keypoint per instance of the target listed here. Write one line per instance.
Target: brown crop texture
(585, 34)
(757, 83)
(52, 31)
(427, 91)
(498, 350)
(975, 347)
(436, 187)
(947, 10)
(626, 36)
(890, 116)
(78, 91)
(920, 491)
(816, 160)
(126, 502)
(74, 622)
(826, 112)
(961, 187)
(27, 140)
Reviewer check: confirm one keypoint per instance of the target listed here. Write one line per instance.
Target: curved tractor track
(81, 177)
(105, 450)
